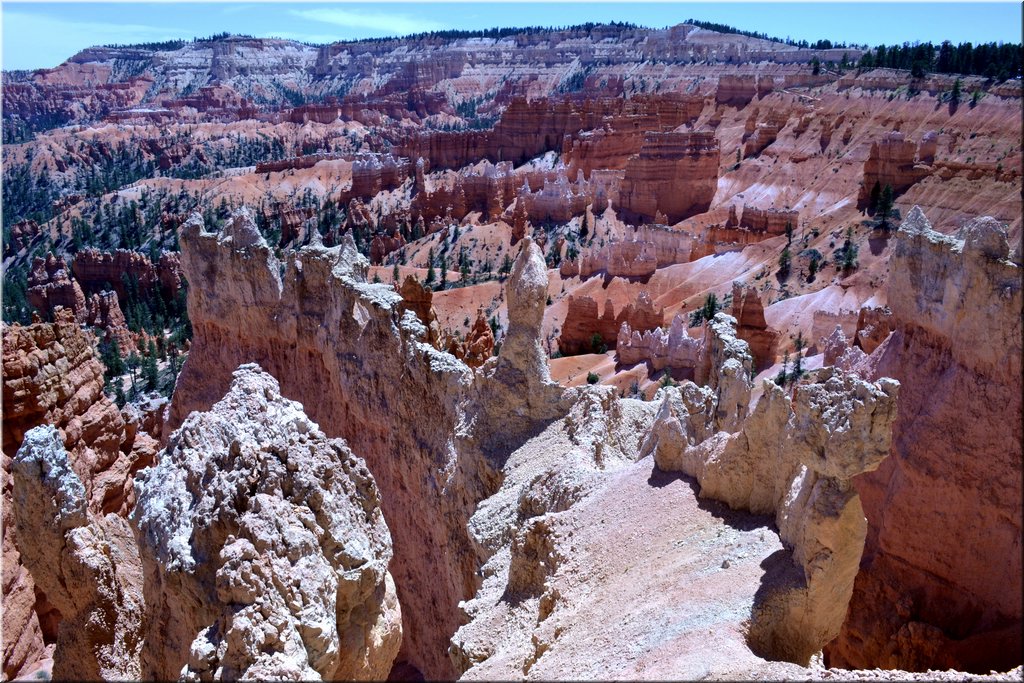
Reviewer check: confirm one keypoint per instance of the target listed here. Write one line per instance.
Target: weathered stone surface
(97, 270)
(87, 564)
(673, 349)
(342, 346)
(794, 459)
(955, 463)
(417, 299)
(891, 162)
(264, 548)
(104, 312)
(583, 321)
(770, 221)
(51, 376)
(874, 324)
(748, 310)
(50, 285)
(478, 346)
(675, 174)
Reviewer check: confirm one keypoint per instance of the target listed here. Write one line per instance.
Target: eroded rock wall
(674, 176)
(51, 376)
(257, 549)
(941, 572)
(285, 573)
(793, 457)
(364, 370)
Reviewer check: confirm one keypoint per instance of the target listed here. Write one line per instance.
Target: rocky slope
(547, 186)
(508, 403)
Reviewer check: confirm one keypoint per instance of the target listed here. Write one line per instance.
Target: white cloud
(33, 41)
(379, 22)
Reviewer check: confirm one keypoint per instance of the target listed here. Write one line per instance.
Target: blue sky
(39, 34)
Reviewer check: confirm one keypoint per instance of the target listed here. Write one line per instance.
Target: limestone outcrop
(96, 270)
(50, 285)
(674, 349)
(52, 376)
(770, 221)
(874, 324)
(285, 571)
(955, 465)
(257, 549)
(362, 368)
(748, 309)
(578, 497)
(478, 346)
(637, 254)
(891, 162)
(417, 298)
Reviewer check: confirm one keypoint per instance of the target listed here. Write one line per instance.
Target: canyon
(549, 354)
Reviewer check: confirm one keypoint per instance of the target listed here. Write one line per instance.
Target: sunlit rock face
(955, 465)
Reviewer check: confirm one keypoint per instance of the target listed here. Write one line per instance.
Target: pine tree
(430, 266)
(150, 372)
(783, 375)
(884, 209)
(798, 370)
(785, 261)
(110, 355)
(876, 193)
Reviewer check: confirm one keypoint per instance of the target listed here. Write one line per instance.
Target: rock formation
(286, 573)
(674, 349)
(675, 174)
(417, 299)
(955, 463)
(103, 311)
(344, 347)
(891, 161)
(791, 458)
(87, 564)
(478, 346)
(583, 320)
(50, 285)
(278, 568)
(874, 324)
(570, 499)
(748, 309)
(770, 221)
(52, 377)
(97, 270)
